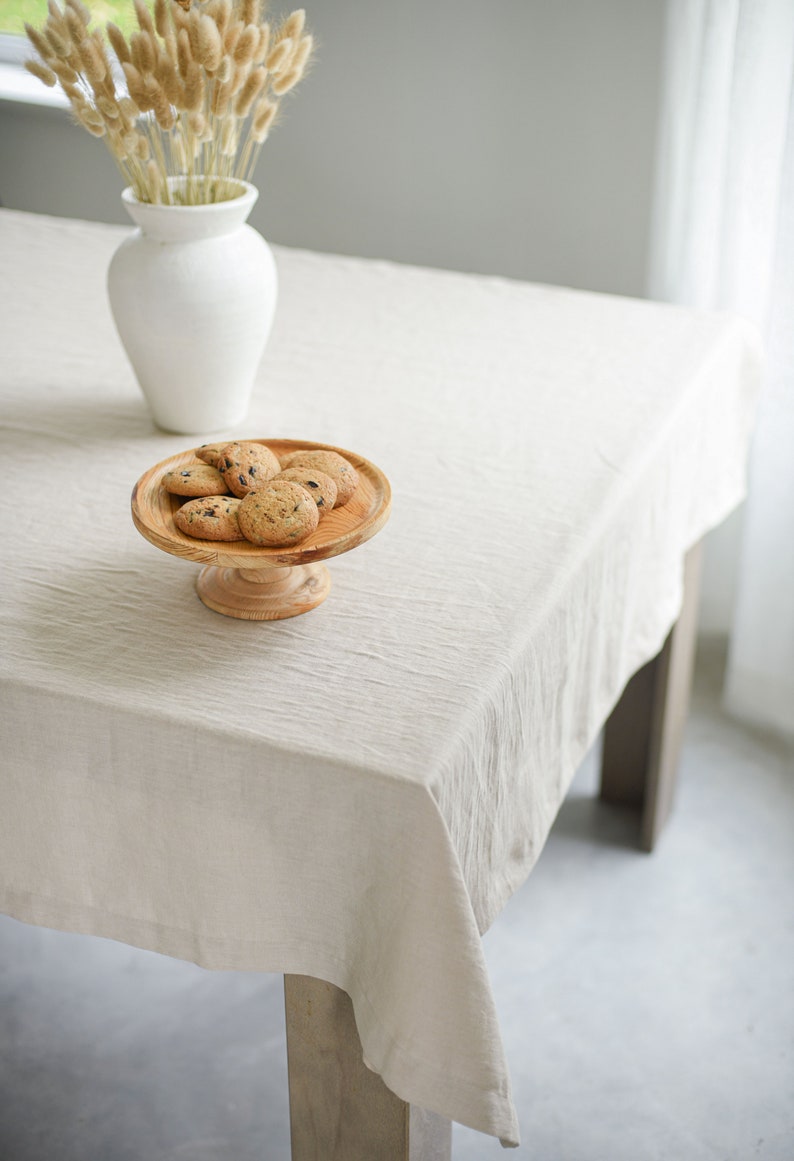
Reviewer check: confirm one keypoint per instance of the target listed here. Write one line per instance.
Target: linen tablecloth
(355, 793)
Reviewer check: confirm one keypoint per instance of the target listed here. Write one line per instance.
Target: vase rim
(248, 192)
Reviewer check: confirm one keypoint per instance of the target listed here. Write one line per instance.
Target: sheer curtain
(723, 238)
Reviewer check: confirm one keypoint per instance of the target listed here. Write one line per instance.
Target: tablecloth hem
(407, 1075)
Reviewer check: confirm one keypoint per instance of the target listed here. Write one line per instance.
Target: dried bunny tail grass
(89, 119)
(294, 24)
(249, 92)
(194, 88)
(264, 115)
(59, 44)
(264, 43)
(135, 87)
(108, 108)
(251, 12)
(247, 45)
(210, 45)
(117, 143)
(232, 35)
(180, 18)
(118, 43)
(77, 27)
(144, 17)
(162, 18)
(221, 13)
(65, 74)
(197, 123)
(169, 43)
(164, 114)
(151, 90)
(73, 92)
(279, 56)
(92, 61)
(39, 42)
(238, 78)
(143, 49)
(141, 148)
(154, 181)
(129, 110)
(184, 53)
(194, 19)
(229, 137)
(56, 18)
(259, 136)
(80, 10)
(286, 81)
(220, 99)
(303, 54)
(98, 41)
(203, 82)
(179, 151)
(41, 71)
(169, 79)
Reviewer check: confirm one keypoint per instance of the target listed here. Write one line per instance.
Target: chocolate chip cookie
(195, 480)
(320, 486)
(337, 467)
(210, 518)
(246, 466)
(210, 452)
(278, 514)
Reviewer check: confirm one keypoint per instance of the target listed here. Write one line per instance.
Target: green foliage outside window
(15, 13)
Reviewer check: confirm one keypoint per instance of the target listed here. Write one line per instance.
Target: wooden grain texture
(339, 1109)
(643, 735)
(338, 531)
(265, 594)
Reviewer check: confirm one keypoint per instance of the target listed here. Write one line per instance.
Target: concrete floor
(646, 1001)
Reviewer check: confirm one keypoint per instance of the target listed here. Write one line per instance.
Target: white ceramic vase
(193, 292)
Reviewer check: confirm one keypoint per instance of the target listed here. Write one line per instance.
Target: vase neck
(173, 223)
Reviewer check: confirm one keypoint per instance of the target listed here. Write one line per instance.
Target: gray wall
(515, 137)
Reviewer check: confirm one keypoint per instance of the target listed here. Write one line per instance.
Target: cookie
(210, 518)
(320, 486)
(194, 480)
(210, 452)
(246, 466)
(337, 467)
(278, 514)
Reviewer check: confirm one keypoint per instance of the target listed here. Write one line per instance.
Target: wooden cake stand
(241, 579)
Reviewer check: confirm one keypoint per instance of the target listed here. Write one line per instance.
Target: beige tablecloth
(355, 793)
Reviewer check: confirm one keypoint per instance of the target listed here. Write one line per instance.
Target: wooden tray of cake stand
(241, 579)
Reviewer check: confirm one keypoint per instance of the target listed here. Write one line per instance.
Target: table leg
(339, 1109)
(642, 737)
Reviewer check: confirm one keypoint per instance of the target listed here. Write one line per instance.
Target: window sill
(17, 85)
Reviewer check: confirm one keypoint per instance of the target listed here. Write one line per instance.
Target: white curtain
(723, 238)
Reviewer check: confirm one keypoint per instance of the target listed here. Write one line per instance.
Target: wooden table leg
(642, 737)
(339, 1109)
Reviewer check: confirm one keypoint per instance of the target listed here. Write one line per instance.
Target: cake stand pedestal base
(264, 594)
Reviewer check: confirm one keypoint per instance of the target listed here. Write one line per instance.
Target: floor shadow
(589, 820)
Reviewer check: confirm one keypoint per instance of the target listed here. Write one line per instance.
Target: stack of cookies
(243, 491)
